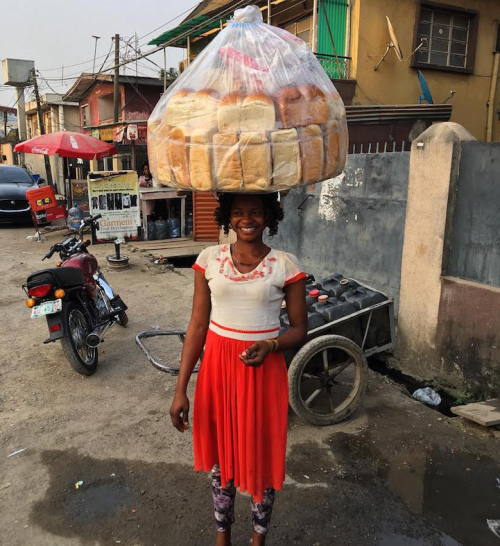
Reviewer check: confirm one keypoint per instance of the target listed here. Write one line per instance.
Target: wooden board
(171, 248)
(485, 413)
(180, 252)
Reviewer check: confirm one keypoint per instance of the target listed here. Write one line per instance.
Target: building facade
(455, 44)
(137, 98)
(58, 115)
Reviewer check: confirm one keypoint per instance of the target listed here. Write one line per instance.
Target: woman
(241, 397)
(146, 179)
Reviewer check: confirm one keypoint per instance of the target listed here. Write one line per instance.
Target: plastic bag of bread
(254, 112)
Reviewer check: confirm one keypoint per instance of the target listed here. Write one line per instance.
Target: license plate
(46, 308)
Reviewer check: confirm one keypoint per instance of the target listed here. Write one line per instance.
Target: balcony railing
(335, 66)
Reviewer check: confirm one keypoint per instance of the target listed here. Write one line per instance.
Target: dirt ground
(396, 473)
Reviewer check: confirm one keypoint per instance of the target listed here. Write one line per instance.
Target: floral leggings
(224, 505)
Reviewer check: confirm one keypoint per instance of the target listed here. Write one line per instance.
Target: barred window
(446, 38)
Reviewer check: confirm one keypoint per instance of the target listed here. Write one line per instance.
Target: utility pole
(42, 127)
(116, 86)
(95, 51)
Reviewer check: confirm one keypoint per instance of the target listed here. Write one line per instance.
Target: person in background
(146, 179)
(241, 398)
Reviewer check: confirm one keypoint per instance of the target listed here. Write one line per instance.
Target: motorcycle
(77, 302)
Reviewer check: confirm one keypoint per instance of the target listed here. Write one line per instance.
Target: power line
(140, 38)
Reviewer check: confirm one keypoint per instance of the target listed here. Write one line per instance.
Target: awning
(192, 28)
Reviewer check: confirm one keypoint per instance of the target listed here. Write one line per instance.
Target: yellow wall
(396, 83)
(6, 151)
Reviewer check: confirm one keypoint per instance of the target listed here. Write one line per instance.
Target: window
(447, 38)
(106, 107)
(302, 29)
(85, 115)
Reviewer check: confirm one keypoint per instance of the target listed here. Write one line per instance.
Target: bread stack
(205, 141)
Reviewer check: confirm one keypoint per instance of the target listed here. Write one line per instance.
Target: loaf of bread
(200, 160)
(316, 104)
(291, 107)
(177, 156)
(257, 113)
(286, 158)
(180, 107)
(229, 113)
(204, 110)
(227, 161)
(311, 153)
(158, 160)
(332, 149)
(335, 105)
(255, 154)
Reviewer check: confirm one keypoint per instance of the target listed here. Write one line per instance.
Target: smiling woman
(241, 398)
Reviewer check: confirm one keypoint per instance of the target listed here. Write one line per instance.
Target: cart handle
(156, 363)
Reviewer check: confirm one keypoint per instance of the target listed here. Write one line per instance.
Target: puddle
(133, 502)
(453, 491)
(148, 504)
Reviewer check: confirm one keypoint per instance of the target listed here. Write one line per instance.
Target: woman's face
(145, 170)
(248, 218)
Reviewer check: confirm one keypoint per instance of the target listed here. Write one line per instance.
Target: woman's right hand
(179, 412)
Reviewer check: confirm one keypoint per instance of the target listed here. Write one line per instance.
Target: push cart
(328, 375)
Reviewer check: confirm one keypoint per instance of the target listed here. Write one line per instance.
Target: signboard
(107, 133)
(80, 194)
(132, 131)
(115, 195)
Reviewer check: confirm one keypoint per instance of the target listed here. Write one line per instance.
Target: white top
(246, 306)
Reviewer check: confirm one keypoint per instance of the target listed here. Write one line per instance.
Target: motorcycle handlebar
(91, 219)
(49, 253)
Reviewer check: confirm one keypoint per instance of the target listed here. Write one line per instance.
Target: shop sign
(119, 133)
(132, 131)
(95, 133)
(106, 133)
(115, 196)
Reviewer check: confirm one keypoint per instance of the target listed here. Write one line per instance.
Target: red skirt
(240, 416)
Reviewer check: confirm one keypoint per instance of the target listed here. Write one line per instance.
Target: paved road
(396, 473)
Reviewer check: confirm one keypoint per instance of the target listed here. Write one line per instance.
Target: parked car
(14, 181)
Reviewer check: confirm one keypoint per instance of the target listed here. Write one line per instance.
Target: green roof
(193, 27)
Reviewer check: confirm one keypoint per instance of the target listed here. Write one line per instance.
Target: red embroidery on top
(228, 269)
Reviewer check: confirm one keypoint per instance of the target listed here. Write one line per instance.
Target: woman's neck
(250, 247)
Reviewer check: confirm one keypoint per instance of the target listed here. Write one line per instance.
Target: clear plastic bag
(254, 112)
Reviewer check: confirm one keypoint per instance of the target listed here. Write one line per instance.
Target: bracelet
(273, 344)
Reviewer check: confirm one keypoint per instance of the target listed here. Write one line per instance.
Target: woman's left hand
(256, 353)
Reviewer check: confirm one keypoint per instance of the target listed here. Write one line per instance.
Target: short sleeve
(201, 262)
(293, 270)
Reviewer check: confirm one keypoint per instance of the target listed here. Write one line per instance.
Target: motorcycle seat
(63, 277)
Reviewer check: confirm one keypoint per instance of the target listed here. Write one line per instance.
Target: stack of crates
(44, 205)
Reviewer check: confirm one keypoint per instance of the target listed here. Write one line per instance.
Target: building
(453, 43)
(8, 134)
(137, 98)
(58, 115)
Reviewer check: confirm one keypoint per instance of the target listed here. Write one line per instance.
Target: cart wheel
(327, 379)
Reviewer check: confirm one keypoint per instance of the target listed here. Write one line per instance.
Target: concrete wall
(448, 328)
(474, 236)
(7, 153)
(352, 224)
(369, 38)
(468, 335)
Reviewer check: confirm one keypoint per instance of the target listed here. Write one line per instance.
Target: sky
(54, 33)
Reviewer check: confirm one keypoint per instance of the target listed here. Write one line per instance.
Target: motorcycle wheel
(122, 319)
(82, 358)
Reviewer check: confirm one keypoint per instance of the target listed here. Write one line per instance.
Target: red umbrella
(67, 144)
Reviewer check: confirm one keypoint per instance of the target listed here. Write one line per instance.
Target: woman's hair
(272, 210)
